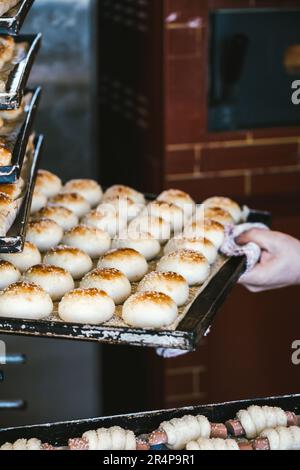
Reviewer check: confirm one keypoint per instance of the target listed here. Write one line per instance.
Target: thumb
(262, 237)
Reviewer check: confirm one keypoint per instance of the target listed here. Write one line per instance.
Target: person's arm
(280, 261)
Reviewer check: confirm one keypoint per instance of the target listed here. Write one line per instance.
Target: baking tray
(13, 20)
(194, 325)
(13, 242)
(58, 434)
(10, 174)
(17, 79)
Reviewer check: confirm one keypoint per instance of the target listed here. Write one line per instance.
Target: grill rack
(58, 434)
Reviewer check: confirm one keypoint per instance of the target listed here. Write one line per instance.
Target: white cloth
(252, 251)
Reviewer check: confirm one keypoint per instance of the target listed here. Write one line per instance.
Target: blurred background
(191, 94)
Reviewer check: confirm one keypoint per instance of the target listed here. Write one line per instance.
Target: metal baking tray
(194, 325)
(18, 76)
(12, 21)
(58, 434)
(13, 242)
(10, 174)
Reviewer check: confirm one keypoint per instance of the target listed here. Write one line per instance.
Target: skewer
(236, 429)
(217, 430)
(83, 443)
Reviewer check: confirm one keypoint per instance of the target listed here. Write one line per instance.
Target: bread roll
(9, 274)
(213, 213)
(93, 241)
(72, 201)
(125, 207)
(54, 280)
(227, 204)
(48, 183)
(193, 266)
(24, 260)
(39, 200)
(86, 306)
(128, 261)
(210, 229)
(13, 190)
(89, 189)
(201, 245)
(171, 213)
(171, 284)
(142, 242)
(73, 260)
(5, 156)
(111, 281)
(109, 222)
(62, 216)
(180, 199)
(149, 310)
(156, 226)
(24, 300)
(44, 233)
(122, 191)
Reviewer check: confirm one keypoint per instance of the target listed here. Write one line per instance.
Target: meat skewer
(178, 432)
(30, 444)
(218, 444)
(280, 438)
(255, 419)
(114, 438)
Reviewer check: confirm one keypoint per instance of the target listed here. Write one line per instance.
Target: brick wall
(248, 351)
(240, 164)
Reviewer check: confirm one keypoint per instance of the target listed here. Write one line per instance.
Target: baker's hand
(280, 261)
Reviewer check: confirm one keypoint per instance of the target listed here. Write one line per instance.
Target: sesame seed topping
(46, 269)
(85, 293)
(105, 273)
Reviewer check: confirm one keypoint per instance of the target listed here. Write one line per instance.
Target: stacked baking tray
(18, 106)
(195, 319)
(58, 434)
(12, 20)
